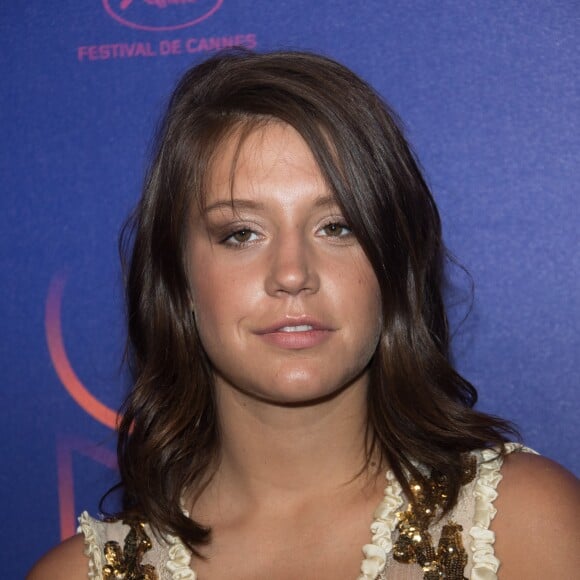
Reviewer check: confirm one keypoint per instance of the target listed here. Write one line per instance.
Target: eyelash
(228, 239)
(338, 223)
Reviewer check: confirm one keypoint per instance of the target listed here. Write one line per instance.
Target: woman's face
(286, 302)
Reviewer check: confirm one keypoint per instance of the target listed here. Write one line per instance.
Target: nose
(292, 269)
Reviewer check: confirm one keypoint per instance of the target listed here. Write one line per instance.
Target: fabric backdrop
(489, 95)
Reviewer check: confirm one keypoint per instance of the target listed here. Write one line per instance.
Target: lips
(296, 333)
(295, 324)
(300, 328)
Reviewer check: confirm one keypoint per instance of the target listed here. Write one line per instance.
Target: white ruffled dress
(474, 512)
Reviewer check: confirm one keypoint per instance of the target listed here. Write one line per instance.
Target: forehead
(267, 153)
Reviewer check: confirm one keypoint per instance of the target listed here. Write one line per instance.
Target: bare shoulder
(537, 525)
(66, 561)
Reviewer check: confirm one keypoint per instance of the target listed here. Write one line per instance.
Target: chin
(303, 391)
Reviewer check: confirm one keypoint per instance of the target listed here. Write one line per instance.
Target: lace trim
(485, 562)
(92, 550)
(179, 557)
(179, 560)
(382, 529)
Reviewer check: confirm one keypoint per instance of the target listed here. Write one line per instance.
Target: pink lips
(296, 333)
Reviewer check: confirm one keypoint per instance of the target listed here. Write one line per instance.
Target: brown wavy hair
(419, 407)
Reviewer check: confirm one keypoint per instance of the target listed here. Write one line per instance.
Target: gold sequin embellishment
(126, 563)
(415, 544)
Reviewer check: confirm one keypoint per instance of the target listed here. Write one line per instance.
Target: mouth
(299, 328)
(293, 324)
(297, 334)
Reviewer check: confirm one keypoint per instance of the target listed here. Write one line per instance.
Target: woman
(289, 345)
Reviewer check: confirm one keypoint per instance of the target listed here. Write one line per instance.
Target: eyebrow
(241, 203)
(234, 203)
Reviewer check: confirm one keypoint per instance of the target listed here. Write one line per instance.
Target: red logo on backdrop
(68, 447)
(161, 14)
(54, 338)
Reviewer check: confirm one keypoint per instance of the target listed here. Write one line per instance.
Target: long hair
(419, 408)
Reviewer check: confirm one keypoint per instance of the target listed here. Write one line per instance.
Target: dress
(405, 544)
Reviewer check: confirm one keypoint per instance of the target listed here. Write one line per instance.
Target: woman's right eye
(240, 237)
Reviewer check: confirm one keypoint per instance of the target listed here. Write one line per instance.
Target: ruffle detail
(92, 550)
(179, 562)
(382, 529)
(485, 562)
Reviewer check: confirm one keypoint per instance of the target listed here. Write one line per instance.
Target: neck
(272, 453)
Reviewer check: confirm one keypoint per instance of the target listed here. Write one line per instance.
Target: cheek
(206, 294)
(221, 299)
(369, 300)
(357, 300)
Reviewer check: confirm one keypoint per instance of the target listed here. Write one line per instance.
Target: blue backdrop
(489, 94)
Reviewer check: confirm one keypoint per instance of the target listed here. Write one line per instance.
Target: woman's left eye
(336, 230)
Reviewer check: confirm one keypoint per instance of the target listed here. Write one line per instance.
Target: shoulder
(537, 526)
(65, 562)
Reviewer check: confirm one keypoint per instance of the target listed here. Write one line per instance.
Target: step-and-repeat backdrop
(489, 95)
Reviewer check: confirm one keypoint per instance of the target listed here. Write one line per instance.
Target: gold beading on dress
(415, 544)
(127, 563)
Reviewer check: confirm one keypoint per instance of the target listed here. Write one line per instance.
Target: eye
(240, 237)
(336, 230)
